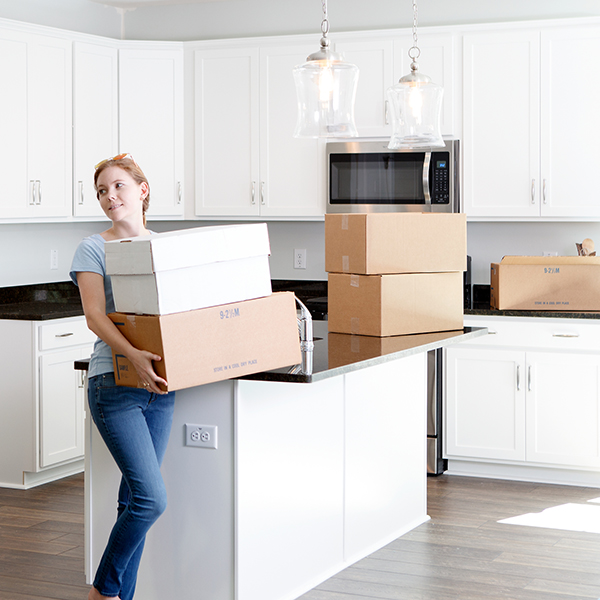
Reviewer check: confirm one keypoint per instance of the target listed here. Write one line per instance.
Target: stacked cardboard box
(395, 273)
(201, 299)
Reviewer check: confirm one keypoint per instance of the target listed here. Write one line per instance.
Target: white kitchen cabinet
(151, 120)
(485, 403)
(35, 125)
(527, 395)
(42, 403)
(526, 128)
(375, 61)
(382, 60)
(247, 161)
(95, 119)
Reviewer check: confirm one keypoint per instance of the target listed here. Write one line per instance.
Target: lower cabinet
(523, 406)
(42, 404)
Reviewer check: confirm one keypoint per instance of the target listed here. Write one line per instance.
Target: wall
(25, 249)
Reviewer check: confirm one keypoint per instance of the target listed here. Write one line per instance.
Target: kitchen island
(316, 466)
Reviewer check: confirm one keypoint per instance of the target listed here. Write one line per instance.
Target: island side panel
(385, 445)
(289, 458)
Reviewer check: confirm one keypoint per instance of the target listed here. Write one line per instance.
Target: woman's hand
(91, 288)
(142, 361)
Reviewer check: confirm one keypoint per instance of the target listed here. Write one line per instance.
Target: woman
(134, 422)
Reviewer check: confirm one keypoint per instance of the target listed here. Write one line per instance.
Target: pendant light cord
(325, 22)
(415, 51)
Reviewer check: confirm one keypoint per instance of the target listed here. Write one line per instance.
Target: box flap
(186, 248)
(550, 260)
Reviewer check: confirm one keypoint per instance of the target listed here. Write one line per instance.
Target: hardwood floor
(463, 553)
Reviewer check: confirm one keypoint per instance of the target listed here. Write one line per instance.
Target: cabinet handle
(533, 191)
(565, 335)
(529, 378)
(544, 192)
(81, 198)
(262, 193)
(386, 112)
(518, 378)
(63, 335)
(39, 188)
(179, 192)
(32, 198)
(253, 194)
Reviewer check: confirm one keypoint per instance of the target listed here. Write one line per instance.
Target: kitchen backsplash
(25, 249)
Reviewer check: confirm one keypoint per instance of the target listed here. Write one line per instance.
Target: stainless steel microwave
(368, 177)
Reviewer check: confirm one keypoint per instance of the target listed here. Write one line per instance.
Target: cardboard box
(186, 270)
(559, 283)
(378, 243)
(212, 344)
(399, 304)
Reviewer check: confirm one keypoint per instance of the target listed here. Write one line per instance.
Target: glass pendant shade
(326, 90)
(416, 107)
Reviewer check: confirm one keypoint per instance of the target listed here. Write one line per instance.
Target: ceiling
(144, 3)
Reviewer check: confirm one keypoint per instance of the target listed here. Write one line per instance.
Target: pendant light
(416, 105)
(325, 88)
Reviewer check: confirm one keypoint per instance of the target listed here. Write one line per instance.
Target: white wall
(25, 249)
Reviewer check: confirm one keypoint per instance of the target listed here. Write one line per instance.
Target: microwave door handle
(426, 191)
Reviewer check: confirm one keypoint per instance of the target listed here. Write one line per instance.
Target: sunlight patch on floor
(570, 517)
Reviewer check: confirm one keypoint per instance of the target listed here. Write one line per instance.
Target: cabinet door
(570, 121)
(35, 125)
(291, 169)
(436, 61)
(151, 122)
(227, 143)
(563, 416)
(501, 124)
(96, 120)
(61, 407)
(485, 404)
(13, 125)
(374, 60)
(49, 105)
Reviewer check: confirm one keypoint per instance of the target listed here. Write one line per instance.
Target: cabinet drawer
(66, 332)
(554, 334)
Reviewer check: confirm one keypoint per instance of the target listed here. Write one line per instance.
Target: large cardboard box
(212, 344)
(559, 283)
(398, 304)
(186, 270)
(378, 243)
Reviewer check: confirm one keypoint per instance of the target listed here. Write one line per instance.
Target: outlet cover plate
(201, 436)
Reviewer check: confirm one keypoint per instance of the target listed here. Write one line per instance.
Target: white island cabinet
(310, 474)
(42, 400)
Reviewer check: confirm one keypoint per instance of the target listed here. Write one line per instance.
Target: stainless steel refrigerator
(436, 464)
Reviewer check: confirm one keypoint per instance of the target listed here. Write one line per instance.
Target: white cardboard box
(189, 269)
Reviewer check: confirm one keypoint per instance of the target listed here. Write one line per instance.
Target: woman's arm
(91, 288)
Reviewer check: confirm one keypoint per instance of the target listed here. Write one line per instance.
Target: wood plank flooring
(463, 553)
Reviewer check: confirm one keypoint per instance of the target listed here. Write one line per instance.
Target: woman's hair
(129, 166)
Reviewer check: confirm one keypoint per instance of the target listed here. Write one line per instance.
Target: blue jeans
(135, 425)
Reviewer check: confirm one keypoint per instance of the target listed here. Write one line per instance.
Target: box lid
(550, 260)
(185, 248)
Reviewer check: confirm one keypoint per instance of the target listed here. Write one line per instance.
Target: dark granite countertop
(548, 314)
(40, 302)
(338, 353)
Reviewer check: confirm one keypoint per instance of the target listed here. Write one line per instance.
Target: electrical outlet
(550, 253)
(201, 436)
(300, 258)
(54, 259)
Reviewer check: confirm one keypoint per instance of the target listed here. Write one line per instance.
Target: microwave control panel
(440, 178)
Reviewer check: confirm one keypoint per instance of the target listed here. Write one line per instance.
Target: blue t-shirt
(90, 257)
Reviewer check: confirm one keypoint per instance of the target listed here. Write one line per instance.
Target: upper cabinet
(151, 120)
(95, 119)
(35, 125)
(247, 161)
(529, 113)
(382, 60)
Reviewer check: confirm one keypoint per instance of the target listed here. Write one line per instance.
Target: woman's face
(120, 195)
